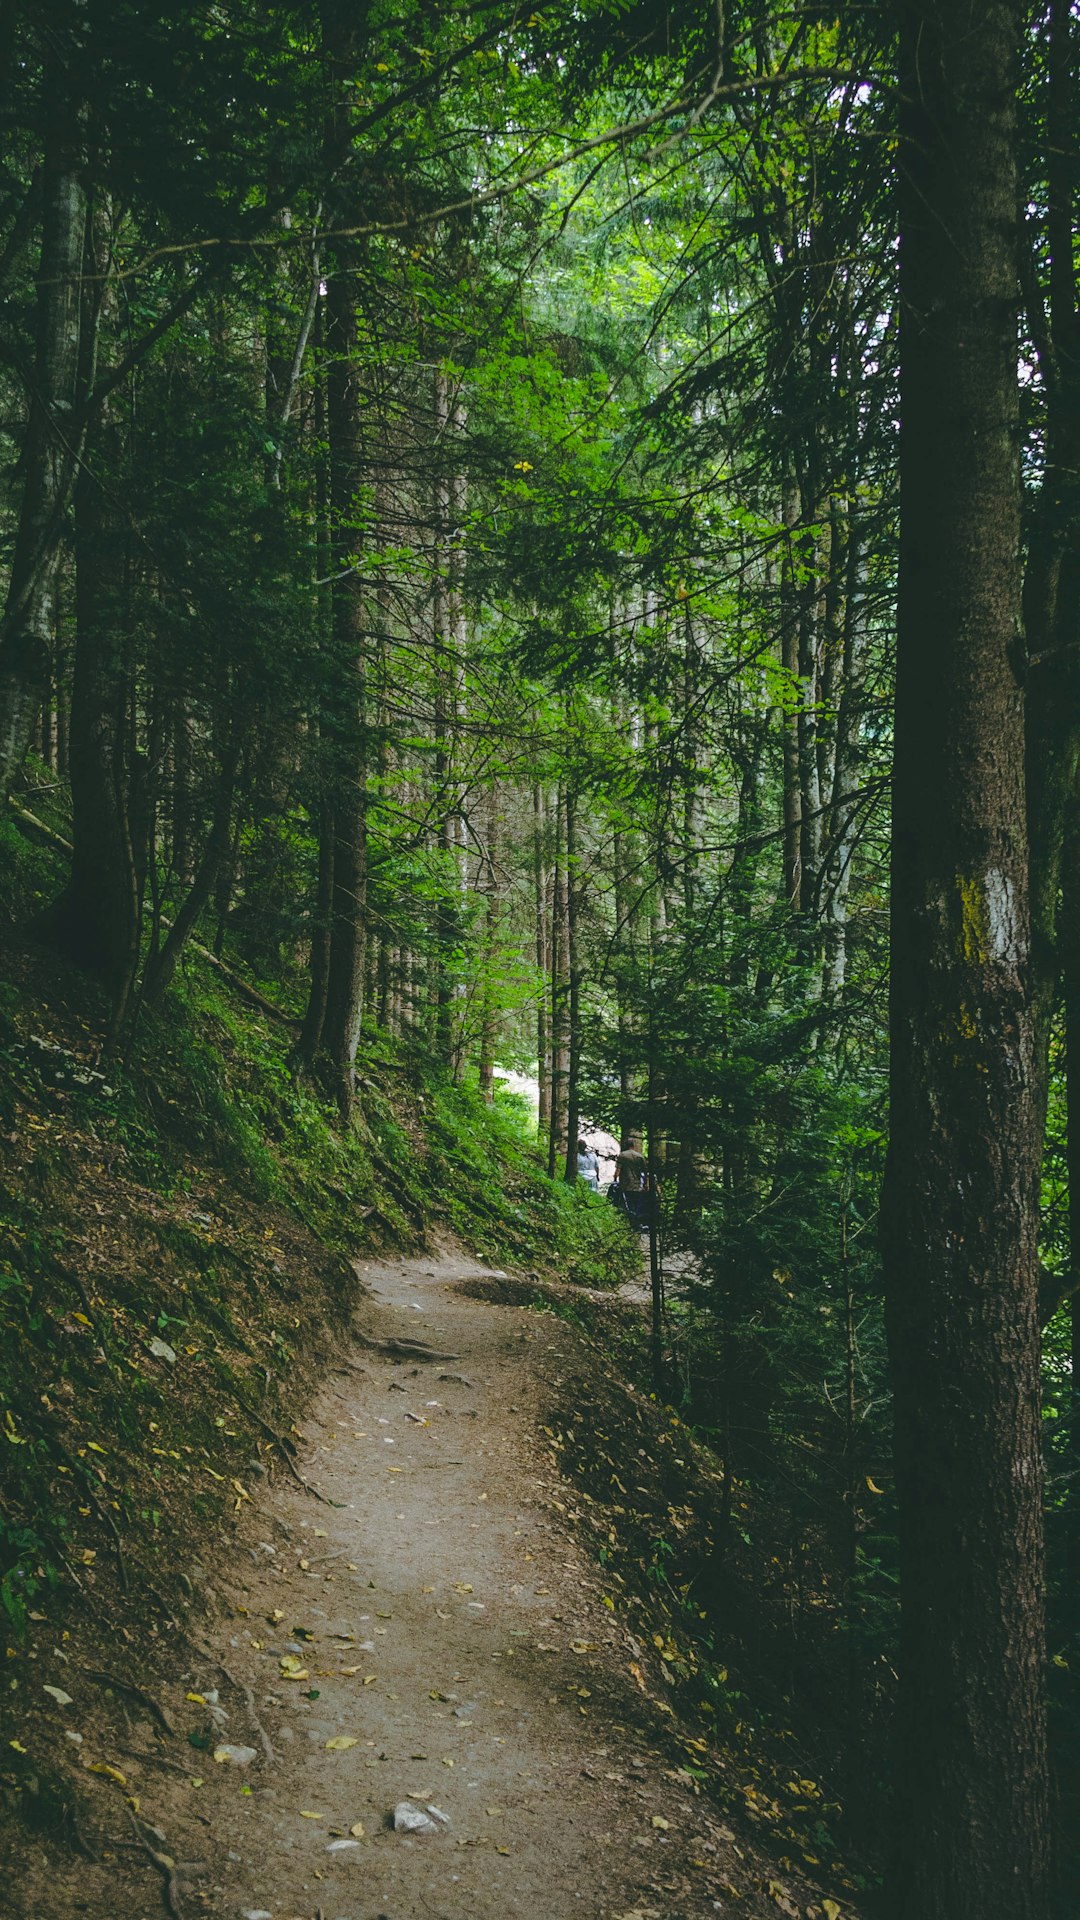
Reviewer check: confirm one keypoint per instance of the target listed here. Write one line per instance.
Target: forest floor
(432, 1630)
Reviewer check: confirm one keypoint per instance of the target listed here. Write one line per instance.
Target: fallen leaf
(111, 1773)
(357, 1830)
(662, 1825)
(310, 1816)
(340, 1743)
(62, 1699)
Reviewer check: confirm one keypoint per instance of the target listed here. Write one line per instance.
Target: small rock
(236, 1756)
(412, 1819)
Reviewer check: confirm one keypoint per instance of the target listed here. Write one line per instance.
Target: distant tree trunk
(789, 660)
(343, 1012)
(1070, 973)
(310, 1037)
(96, 919)
(488, 882)
(845, 696)
(543, 964)
(52, 443)
(573, 986)
(560, 1064)
(961, 1204)
(161, 968)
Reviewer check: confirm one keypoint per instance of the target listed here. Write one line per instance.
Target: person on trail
(588, 1165)
(627, 1192)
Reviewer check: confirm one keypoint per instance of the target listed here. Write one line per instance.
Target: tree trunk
(348, 830)
(960, 1214)
(96, 919)
(789, 660)
(543, 965)
(50, 449)
(573, 984)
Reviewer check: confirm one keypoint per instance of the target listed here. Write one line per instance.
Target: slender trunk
(52, 443)
(340, 1036)
(1070, 976)
(559, 1062)
(543, 964)
(789, 660)
(161, 969)
(310, 1038)
(489, 1015)
(573, 981)
(96, 919)
(961, 1202)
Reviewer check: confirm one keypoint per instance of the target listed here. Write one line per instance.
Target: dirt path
(439, 1621)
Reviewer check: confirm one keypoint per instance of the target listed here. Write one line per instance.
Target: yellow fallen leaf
(830, 1910)
(357, 1830)
(662, 1825)
(17, 1745)
(340, 1743)
(309, 1816)
(199, 1699)
(94, 1448)
(111, 1773)
(874, 1489)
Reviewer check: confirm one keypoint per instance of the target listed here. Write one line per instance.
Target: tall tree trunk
(1052, 576)
(573, 987)
(789, 660)
(543, 964)
(961, 1203)
(52, 443)
(310, 1038)
(96, 919)
(559, 1059)
(488, 884)
(348, 923)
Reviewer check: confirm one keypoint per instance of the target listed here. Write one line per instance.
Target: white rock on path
(412, 1819)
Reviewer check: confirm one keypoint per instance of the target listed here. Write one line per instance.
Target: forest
(540, 555)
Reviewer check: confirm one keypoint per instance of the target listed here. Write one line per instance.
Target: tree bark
(543, 964)
(573, 988)
(96, 920)
(343, 1011)
(961, 1202)
(51, 446)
